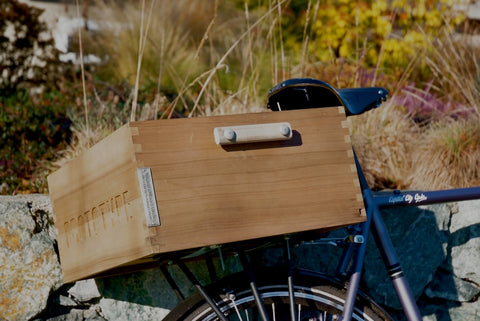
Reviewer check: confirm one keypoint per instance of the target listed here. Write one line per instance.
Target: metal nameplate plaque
(148, 196)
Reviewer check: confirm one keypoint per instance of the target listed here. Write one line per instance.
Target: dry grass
(456, 71)
(396, 153)
(448, 157)
(208, 55)
(382, 139)
(167, 53)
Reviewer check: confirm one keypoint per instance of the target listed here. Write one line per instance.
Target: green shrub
(34, 130)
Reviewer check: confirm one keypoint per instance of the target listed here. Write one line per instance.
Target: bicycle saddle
(301, 93)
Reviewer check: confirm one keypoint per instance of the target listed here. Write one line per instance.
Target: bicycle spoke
(253, 286)
(291, 293)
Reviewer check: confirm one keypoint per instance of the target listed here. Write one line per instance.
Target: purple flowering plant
(425, 105)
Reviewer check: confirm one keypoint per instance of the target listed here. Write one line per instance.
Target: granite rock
(30, 270)
(449, 287)
(465, 242)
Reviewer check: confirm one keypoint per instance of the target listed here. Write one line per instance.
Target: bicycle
(295, 294)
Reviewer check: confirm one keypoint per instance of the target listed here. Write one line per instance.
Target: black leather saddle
(301, 93)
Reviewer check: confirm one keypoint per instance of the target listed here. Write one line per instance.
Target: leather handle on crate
(243, 134)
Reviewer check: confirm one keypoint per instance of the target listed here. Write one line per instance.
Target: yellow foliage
(351, 29)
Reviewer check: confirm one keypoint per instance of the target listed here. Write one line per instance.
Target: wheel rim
(242, 306)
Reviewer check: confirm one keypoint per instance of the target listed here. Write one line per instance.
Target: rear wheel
(316, 298)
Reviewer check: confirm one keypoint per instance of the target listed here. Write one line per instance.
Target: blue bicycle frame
(374, 223)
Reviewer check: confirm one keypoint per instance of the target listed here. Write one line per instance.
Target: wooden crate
(161, 186)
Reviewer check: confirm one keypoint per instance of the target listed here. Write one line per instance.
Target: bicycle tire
(316, 298)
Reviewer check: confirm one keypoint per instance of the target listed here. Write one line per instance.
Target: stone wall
(439, 247)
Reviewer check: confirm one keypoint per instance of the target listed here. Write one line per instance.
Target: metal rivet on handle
(229, 134)
(285, 130)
